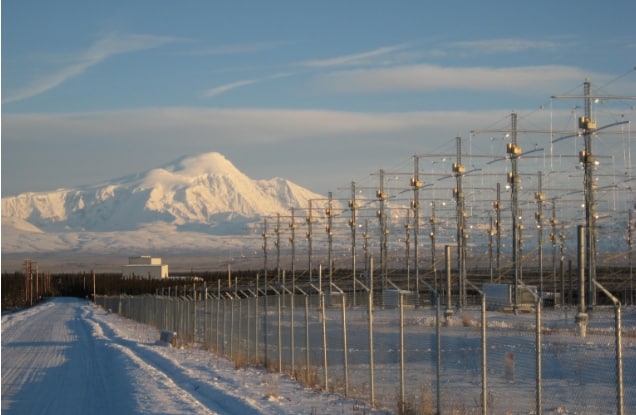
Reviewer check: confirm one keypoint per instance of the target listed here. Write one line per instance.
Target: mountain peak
(212, 163)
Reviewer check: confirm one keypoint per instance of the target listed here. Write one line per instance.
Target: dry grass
(308, 376)
(240, 361)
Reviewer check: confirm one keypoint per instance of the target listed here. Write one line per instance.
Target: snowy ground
(69, 357)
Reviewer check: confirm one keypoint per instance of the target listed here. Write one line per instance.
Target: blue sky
(321, 93)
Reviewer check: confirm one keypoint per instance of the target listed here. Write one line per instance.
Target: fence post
(619, 359)
(371, 364)
(438, 340)
(307, 336)
(484, 356)
(539, 374)
(619, 348)
(538, 359)
(218, 315)
(256, 321)
(194, 312)
(343, 305)
(402, 383)
(344, 345)
(292, 343)
(280, 332)
(224, 331)
(292, 334)
(205, 314)
(324, 340)
(265, 345)
(484, 353)
(248, 339)
(231, 326)
(449, 293)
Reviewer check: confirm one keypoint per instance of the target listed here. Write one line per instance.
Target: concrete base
(581, 321)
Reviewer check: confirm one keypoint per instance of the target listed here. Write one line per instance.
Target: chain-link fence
(406, 356)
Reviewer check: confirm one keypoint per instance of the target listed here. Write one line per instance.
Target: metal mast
(329, 229)
(382, 197)
(588, 126)
(407, 242)
(416, 184)
(538, 215)
(353, 223)
(292, 240)
(365, 247)
(491, 233)
(459, 171)
(433, 221)
(277, 244)
(554, 238)
(513, 179)
(265, 249)
(309, 243)
(586, 157)
(497, 206)
(630, 242)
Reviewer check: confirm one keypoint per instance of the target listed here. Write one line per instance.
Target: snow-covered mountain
(200, 194)
(201, 191)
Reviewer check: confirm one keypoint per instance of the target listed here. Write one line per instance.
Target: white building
(144, 267)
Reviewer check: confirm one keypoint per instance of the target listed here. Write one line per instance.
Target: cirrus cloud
(425, 77)
(99, 51)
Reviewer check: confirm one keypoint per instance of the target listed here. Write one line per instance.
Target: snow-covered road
(69, 357)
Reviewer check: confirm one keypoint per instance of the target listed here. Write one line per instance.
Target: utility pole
(329, 213)
(459, 170)
(382, 197)
(491, 233)
(309, 220)
(277, 244)
(292, 240)
(497, 206)
(353, 223)
(365, 247)
(407, 242)
(554, 238)
(433, 220)
(416, 184)
(265, 250)
(589, 163)
(538, 215)
(630, 242)
(588, 127)
(514, 151)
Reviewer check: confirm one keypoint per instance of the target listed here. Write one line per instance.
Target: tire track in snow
(50, 365)
(167, 377)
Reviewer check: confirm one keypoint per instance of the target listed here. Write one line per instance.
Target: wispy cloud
(239, 48)
(492, 46)
(425, 77)
(102, 49)
(363, 58)
(294, 138)
(213, 92)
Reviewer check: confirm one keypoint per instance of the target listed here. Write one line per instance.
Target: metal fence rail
(408, 358)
